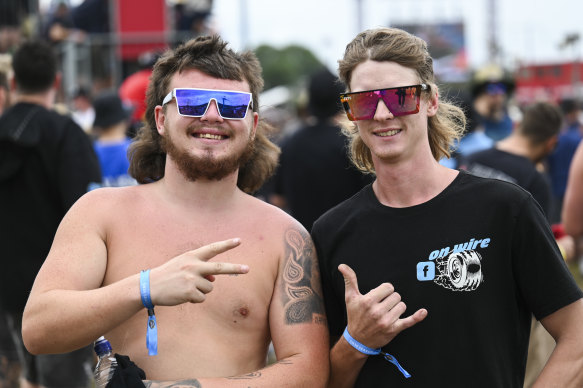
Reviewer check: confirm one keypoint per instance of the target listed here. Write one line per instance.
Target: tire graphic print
(464, 270)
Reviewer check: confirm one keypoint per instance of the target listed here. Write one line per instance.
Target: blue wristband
(373, 352)
(152, 331)
(145, 289)
(358, 346)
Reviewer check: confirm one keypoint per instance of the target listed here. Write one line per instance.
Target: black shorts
(67, 370)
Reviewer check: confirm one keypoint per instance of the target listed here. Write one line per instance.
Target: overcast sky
(527, 30)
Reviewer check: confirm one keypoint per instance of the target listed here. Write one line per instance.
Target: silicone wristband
(358, 346)
(152, 330)
(373, 352)
(145, 289)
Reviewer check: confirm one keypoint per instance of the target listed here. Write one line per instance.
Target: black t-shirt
(46, 163)
(495, 163)
(480, 257)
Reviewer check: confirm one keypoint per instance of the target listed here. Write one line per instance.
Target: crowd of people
(401, 237)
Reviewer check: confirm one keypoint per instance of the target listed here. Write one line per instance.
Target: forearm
(294, 371)
(345, 364)
(58, 321)
(564, 368)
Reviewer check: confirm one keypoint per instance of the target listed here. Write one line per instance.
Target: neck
(201, 195)
(411, 183)
(45, 99)
(114, 133)
(518, 145)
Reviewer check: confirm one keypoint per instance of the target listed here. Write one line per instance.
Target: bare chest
(150, 239)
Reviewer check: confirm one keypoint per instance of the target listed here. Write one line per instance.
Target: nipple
(240, 312)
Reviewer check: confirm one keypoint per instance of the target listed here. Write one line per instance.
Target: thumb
(350, 282)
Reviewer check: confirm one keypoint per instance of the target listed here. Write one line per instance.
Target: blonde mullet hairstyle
(405, 49)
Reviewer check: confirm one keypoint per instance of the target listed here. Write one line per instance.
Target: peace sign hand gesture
(189, 276)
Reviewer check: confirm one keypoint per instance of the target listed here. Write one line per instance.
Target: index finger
(209, 251)
(223, 269)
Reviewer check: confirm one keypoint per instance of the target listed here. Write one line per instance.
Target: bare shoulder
(110, 198)
(276, 218)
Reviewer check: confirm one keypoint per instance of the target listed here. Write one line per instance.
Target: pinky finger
(412, 320)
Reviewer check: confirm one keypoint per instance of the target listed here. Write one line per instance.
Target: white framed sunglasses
(193, 102)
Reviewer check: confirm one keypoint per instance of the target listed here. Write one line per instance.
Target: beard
(206, 167)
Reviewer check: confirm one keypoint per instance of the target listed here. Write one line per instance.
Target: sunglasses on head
(192, 102)
(401, 101)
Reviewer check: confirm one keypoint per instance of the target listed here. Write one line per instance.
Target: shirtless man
(202, 151)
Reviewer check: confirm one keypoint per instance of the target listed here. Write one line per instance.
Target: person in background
(474, 138)
(82, 111)
(315, 173)
(168, 242)
(133, 90)
(472, 258)
(560, 160)
(573, 207)
(46, 163)
(516, 157)
(572, 214)
(490, 93)
(111, 142)
(9, 362)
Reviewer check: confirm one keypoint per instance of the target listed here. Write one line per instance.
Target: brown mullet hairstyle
(405, 49)
(210, 55)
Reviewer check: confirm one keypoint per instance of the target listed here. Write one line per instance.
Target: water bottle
(106, 362)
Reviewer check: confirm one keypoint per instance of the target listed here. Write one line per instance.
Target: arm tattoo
(248, 376)
(257, 374)
(302, 293)
(193, 383)
(189, 383)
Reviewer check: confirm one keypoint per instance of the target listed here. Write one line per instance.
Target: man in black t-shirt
(515, 158)
(314, 172)
(46, 163)
(473, 258)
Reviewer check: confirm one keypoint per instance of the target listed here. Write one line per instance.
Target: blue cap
(102, 346)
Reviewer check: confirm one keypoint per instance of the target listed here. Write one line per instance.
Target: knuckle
(366, 302)
(385, 325)
(218, 267)
(376, 315)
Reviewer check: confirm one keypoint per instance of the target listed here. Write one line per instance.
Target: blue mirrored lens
(194, 102)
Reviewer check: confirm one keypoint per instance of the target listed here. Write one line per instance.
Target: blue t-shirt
(560, 160)
(114, 162)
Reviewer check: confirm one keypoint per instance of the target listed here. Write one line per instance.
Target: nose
(212, 112)
(382, 112)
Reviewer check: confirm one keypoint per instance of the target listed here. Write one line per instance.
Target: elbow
(34, 337)
(31, 339)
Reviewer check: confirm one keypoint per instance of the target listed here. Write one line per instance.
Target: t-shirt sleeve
(542, 276)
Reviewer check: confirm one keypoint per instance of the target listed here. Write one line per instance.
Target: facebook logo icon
(425, 270)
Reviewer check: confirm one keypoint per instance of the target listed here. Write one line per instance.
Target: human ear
(160, 115)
